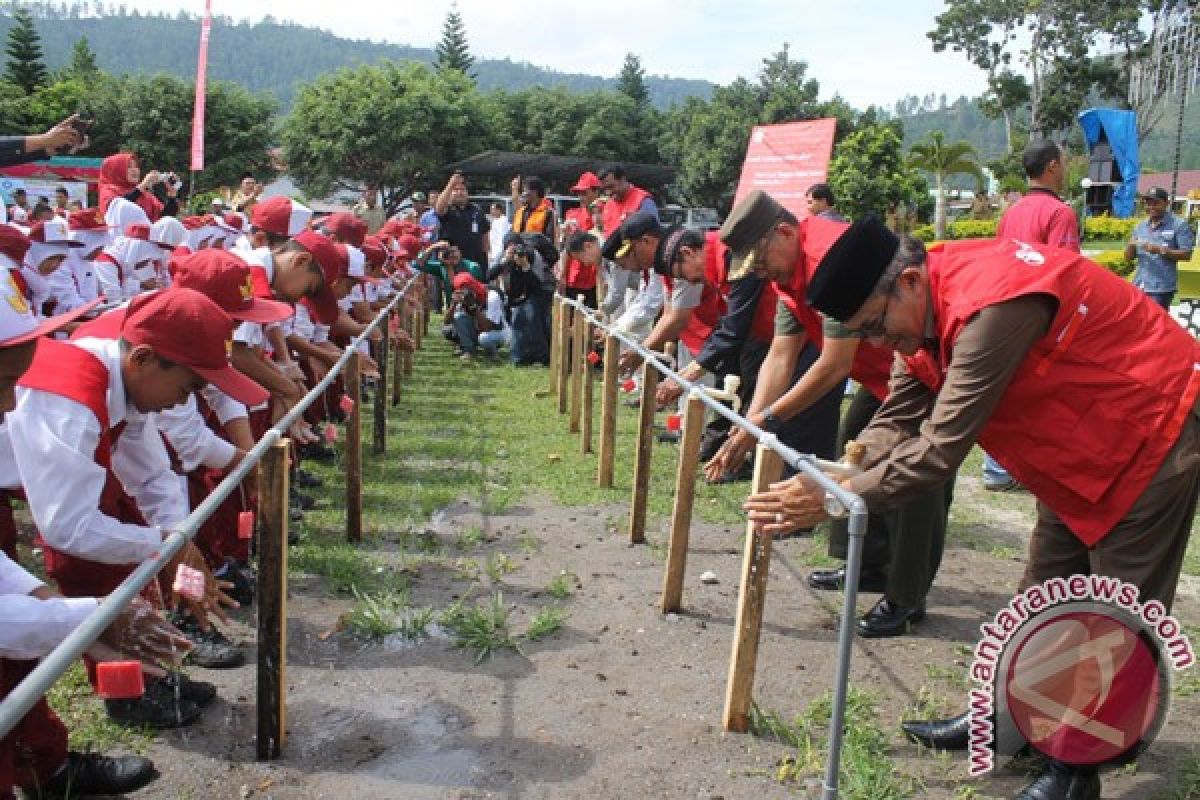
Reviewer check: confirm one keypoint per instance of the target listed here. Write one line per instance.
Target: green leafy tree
(25, 66)
(388, 125)
(632, 82)
(453, 52)
(869, 174)
(935, 156)
(83, 61)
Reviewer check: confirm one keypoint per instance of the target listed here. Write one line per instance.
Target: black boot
(86, 774)
(210, 649)
(940, 734)
(1059, 781)
(889, 619)
(834, 580)
(202, 693)
(158, 708)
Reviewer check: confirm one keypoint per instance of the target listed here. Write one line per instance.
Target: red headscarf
(114, 182)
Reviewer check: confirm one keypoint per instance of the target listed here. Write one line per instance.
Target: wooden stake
(272, 602)
(410, 325)
(354, 451)
(589, 380)
(397, 365)
(752, 596)
(564, 355)
(379, 434)
(556, 310)
(641, 462)
(685, 496)
(608, 412)
(579, 368)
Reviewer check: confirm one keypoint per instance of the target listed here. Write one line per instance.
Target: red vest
(579, 275)
(615, 211)
(1099, 401)
(872, 365)
(712, 306)
(74, 373)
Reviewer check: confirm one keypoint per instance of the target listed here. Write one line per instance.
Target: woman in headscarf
(121, 176)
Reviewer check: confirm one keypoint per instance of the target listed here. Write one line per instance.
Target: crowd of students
(142, 355)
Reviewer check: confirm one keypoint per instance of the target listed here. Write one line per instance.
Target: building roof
(1189, 180)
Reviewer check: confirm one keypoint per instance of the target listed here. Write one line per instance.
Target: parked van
(694, 219)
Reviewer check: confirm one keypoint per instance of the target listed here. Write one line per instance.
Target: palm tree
(941, 160)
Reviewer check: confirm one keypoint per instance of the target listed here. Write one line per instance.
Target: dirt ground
(623, 702)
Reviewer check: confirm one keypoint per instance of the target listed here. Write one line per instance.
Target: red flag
(201, 90)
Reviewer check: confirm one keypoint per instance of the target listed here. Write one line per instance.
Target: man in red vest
(1080, 386)
(904, 547)
(624, 199)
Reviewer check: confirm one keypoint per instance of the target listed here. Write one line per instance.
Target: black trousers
(906, 541)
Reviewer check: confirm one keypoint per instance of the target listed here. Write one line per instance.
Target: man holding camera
(530, 287)
(475, 318)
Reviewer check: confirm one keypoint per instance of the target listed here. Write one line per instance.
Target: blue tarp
(1120, 128)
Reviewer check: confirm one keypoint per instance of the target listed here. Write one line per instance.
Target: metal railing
(38, 682)
(818, 470)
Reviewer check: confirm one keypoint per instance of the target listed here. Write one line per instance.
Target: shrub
(1115, 260)
(1108, 229)
(972, 229)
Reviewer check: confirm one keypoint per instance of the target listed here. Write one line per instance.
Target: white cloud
(869, 51)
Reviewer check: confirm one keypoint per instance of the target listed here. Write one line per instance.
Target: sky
(869, 51)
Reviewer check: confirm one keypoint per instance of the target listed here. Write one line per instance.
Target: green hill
(271, 56)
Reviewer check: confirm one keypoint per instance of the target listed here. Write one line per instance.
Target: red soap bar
(346, 404)
(593, 358)
(330, 432)
(246, 525)
(673, 422)
(629, 385)
(120, 680)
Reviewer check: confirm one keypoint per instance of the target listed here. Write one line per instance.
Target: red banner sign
(784, 160)
(201, 91)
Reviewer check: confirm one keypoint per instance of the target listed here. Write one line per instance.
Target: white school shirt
(30, 628)
(53, 442)
(639, 314)
(251, 333)
(195, 443)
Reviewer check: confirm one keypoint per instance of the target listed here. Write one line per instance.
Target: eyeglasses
(875, 328)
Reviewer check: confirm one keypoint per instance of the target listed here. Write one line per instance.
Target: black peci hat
(850, 269)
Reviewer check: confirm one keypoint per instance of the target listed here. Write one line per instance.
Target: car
(695, 219)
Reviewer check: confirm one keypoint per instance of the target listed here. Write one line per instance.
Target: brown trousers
(1146, 547)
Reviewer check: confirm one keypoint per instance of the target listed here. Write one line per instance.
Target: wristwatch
(771, 423)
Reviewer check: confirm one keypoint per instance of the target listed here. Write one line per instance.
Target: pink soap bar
(189, 583)
(673, 422)
(593, 358)
(346, 404)
(330, 432)
(246, 525)
(629, 385)
(120, 680)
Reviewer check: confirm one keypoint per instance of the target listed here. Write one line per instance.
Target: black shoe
(301, 501)
(158, 708)
(669, 437)
(242, 578)
(889, 619)
(834, 580)
(210, 649)
(202, 693)
(940, 734)
(295, 516)
(307, 480)
(87, 774)
(1059, 781)
(318, 452)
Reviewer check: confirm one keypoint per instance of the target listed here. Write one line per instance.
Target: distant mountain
(269, 55)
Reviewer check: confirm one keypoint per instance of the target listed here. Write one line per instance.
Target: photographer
(121, 176)
(530, 288)
(475, 318)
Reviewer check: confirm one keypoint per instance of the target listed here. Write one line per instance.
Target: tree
(24, 49)
(387, 125)
(869, 175)
(452, 51)
(632, 82)
(941, 160)
(83, 61)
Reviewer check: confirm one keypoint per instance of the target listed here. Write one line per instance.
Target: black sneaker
(158, 708)
(202, 693)
(87, 774)
(317, 451)
(307, 480)
(243, 579)
(210, 649)
(301, 501)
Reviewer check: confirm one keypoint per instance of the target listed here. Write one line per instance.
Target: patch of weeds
(528, 543)
(816, 554)
(466, 569)
(928, 705)
(498, 565)
(562, 585)
(87, 723)
(469, 539)
(1186, 783)
(414, 623)
(428, 543)
(545, 623)
(343, 565)
(657, 548)
(1188, 685)
(482, 627)
(867, 773)
(377, 615)
(954, 676)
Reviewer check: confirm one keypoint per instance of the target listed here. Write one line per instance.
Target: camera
(171, 181)
(522, 250)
